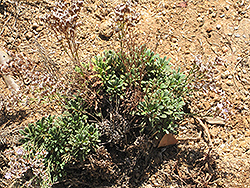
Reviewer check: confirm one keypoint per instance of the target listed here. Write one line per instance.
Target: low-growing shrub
(162, 89)
(67, 138)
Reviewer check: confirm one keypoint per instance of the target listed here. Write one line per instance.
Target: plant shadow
(7, 118)
(112, 167)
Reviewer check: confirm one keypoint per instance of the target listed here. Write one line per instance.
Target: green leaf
(164, 116)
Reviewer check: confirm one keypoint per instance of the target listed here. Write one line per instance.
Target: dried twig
(7, 21)
(191, 139)
(205, 128)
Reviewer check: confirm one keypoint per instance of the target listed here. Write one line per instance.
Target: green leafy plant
(66, 138)
(162, 88)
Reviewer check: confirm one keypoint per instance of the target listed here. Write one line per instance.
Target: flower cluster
(64, 22)
(125, 14)
(223, 108)
(206, 78)
(34, 81)
(64, 17)
(207, 71)
(29, 165)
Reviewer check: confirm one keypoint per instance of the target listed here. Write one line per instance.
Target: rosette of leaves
(67, 138)
(122, 71)
(162, 88)
(163, 102)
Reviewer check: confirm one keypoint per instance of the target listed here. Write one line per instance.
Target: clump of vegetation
(67, 139)
(123, 96)
(161, 89)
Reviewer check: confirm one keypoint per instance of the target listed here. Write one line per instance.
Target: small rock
(223, 15)
(213, 14)
(230, 83)
(217, 141)
(230, 77)
(226, 150)
(224, 49)
(209, 30)
(236, 28)
(239, 58)
(225, 74)
(199, 19)
(218, 26)
(148, 186)
(174, 39)
(157, 184)
(35, 26)
(247, 133)
(227, 7)
(106, 30)
(230, 34)
(28, 35)
(213, 48)
(237, 35)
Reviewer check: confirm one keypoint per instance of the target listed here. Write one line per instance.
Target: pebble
(35, 26)
(28, 35)
(223, 15)
(218, 26)
(106, 29)
(236, 28)
(225, 74)
(213, 48)
(237, 35)
(230, 83)
(174, 40)
(217, 141)
(213, 15)
(244, 80)
(199, 19)
(224, 49)
(247, 133)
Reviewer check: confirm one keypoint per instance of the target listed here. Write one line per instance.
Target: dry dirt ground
(176, 29)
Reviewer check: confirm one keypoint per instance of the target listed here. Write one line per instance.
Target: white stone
(218, 26)
(237, 35)
(199, 19)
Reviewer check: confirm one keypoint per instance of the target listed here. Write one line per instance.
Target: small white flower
(220, 105)
(19, 151)
(8, 175)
